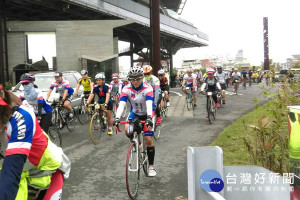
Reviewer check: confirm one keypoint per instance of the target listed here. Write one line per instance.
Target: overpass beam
(155, 32)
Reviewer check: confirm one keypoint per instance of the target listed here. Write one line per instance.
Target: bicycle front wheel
(72, 121)
(209, 111)
(188, 105)
(156, 133)
(83, 114)
(55, 136)
(95, 128)
(132, 171)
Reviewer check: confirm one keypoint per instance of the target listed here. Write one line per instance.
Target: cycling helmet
(115, 75)
(27, 78)
(148, 69)
(235, 68)
(210, 71)
(136, 71)
(58, 74)
(214, 68)
(161, 72)
(100, 76)
(219, 67)
(189, 70)
(84, 72)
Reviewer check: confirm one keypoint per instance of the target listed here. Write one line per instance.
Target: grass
(231, 139)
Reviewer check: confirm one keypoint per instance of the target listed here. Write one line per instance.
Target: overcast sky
(238, 24)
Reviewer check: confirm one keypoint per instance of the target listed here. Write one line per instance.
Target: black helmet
(58, 74)
(27, 78)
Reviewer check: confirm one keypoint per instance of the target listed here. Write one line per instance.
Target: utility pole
(266, 44)
(155, 36)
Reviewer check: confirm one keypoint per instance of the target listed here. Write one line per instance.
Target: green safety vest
(294, 130)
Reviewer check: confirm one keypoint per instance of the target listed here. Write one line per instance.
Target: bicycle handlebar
(127, 122)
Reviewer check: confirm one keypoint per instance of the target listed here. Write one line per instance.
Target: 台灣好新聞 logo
(211, 181)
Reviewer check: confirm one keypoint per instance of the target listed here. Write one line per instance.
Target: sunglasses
(161, 75)
(25, 83)
(135, 79)
(147, 74)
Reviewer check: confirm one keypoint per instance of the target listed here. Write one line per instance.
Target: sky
(238, 24)
(230, 25)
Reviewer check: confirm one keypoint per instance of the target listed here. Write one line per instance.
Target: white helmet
(99, 76)
(136, 71)
(189, 70)
(161, 71)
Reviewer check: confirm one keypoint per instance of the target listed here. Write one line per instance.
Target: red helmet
(214, 68)
(115, 75)
(210, 71)
(148, 69)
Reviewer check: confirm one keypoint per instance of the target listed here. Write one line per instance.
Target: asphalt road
(98, 171)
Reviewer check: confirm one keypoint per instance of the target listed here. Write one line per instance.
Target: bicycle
(137, 157)
(98, 124)
(84, 113)
(163, 106)
(210, 107)
(235, 86)
(219, 98)
(189, 99)
(60, 119)
(54, 134)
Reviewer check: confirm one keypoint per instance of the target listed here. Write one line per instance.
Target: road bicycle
(219, 98)
(61, 117)
(98, 124)
(137, 157)
(210, 107)
(163, 106)
(55, 136)
(85, 113)
(189, 99)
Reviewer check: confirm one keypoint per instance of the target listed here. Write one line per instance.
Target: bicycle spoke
(95, 129)
(55, 136)
(132, 171)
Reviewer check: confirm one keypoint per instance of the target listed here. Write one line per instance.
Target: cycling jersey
(86, 83)
(61, 87)
(102, 93)
(210, 85)
(116, 87)
(46, 108)
(236, 75)
(163, 82)
(24, 137)
(221, 77)
(155, 84)
(189, 79)
(141, 99)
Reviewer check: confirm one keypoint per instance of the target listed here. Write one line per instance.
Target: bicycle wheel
(213, 109)
(95, 128)
(144, 157)
(55, 119)
(209, 111)
(72, 121)
(83, 114)
(188, 105)
(132, 171)
(55, 136)
(156, 133)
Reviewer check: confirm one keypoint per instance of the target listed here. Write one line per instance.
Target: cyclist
(222, 77)
(103, 92)
(116, 86)
(189, 80)
(87, 84)
(35, 99)
(236, 76)
(211, 84)
(255, 77)
(164, 86)
(30, 158)
(155, 83)
(140, 96)
(244, 76)
(64, 90)
(250, 77)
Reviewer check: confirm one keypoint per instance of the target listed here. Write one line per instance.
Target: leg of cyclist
(109, 117)
(195, 96)
(67, 105)
(223, 87)
(157, 110)
(167, 95)
(54, 191)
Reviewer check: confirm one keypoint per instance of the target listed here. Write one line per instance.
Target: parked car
(43, 81)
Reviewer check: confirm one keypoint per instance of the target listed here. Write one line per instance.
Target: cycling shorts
(223, 86)
(143, 117)
(194, 90)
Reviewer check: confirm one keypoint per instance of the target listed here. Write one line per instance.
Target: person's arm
(65, 94)
(122, 104)
(48, 94)
(183, 83)
(91, 96)
(107, 98)
(91, 85)
(76, 91)
(10, 175)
